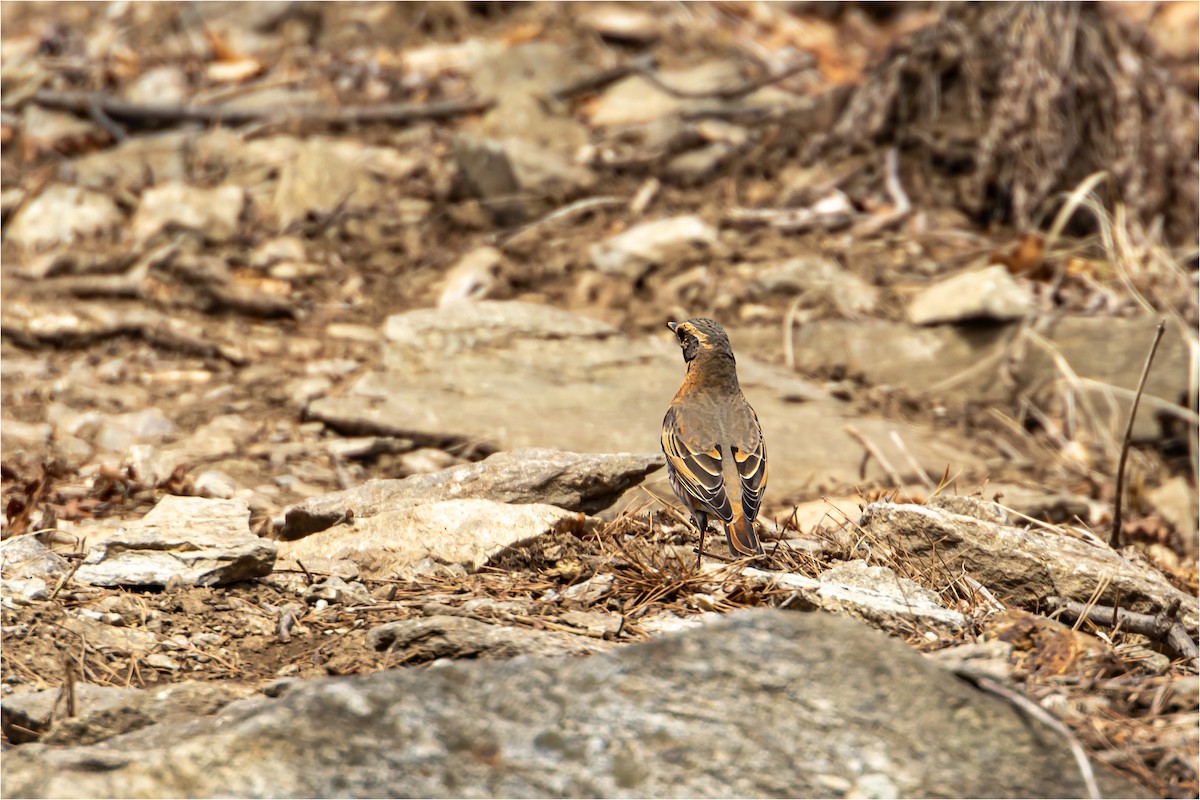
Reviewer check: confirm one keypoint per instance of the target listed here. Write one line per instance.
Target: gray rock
(63, 215)
(758, 704)
(659, 243)
(23, 435)
(396, 538)
(149, 464)
(517, 179)
(1103, 351)
(197, 541)
(27, 715)
(23, 591)
(443, 636)
(990, 659)
(99, 631)
(532, 68)
(968, 506)
(280, 248)
(424, 460)
(590, 591)
(215, 483)
(165, 85)
(216, 213)
(429, 335)
(27, 557)
(623, 25)
(572, 481)
(106, 711)
(44, 129)
(472, 277)
(135, 163)
(120, 432)
(1106, 351)
(326, 173)
(1052, 507)
(1175, 500)
(874, 595)
(897, 354)
(221, 437)
(985, 294)
(335, 590)
(700, 165)
(822, 278)
(637, 101)
(1022, 566)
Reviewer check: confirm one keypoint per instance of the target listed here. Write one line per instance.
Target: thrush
(713, 442)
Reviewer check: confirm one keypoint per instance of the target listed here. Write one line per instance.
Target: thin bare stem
(1114, 540)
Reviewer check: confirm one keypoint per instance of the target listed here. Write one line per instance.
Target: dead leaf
(1025, 257)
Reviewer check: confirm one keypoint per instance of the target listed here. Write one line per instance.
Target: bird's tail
(743, 541)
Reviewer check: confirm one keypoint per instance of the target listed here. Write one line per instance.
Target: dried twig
(569, 210)
(154, 114)
(912, 461)
(1114, 540)
(875, 453)
(1164, 627)
(982, 591)
(734, 93)
(901, 205)
(603, 78)
(1034, 710)
(820, 216)
(644, 66)
(308, 578)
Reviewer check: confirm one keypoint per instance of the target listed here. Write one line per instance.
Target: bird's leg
(701, 521)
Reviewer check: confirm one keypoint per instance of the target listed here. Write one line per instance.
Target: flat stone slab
(568, 382)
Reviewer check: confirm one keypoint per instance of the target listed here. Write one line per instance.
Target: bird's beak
(672, 326)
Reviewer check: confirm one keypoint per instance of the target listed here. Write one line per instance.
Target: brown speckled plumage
(712, 439)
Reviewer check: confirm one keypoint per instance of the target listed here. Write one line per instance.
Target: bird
(713, 442)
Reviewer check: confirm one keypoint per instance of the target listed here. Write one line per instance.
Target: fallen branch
(92, 104)
(644, 66)
(749, 87)
(604, 78)
(1164, 627)
(156, 329)
(1114, 540)
(1031, 708)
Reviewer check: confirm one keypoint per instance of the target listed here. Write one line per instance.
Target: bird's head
(701, 336)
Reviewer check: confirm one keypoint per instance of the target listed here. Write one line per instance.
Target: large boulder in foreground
(763, 703)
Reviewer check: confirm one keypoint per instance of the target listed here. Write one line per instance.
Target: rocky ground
(333, 344)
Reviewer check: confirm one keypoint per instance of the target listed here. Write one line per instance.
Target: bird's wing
(751, 460)
(698, 469)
